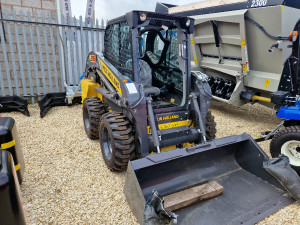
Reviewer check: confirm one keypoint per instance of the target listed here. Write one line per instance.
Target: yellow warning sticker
(267, 83)
(243, 43)
(244, 68)
(192, 41)
(93, 58)
(196, 61)
(172, 100)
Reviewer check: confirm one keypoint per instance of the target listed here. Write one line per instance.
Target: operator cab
(159, 66)
(151, 50)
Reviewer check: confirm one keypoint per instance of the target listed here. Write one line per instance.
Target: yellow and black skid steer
(150, 112)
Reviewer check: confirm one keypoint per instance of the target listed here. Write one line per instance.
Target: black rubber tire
(116, 141)
(93, 109)
(210, 126)
(283, 136)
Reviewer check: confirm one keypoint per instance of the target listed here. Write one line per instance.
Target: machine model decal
(93, 58)
(111, 77)
(258, 3)
(267, 83)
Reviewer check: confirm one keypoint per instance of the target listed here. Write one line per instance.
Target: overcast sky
(108, 9)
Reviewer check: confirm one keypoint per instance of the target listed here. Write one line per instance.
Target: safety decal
(245, 68)
(131, 88)
(93, 58)
(243, 43)
(192, 41)
(267, 83)
(196, 61)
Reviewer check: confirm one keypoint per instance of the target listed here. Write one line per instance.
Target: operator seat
(146, 79)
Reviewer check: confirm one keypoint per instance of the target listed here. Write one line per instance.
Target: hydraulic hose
(261, 27)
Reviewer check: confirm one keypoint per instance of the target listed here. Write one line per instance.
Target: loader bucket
(235, 162)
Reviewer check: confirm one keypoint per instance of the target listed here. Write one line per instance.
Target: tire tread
(123, 138)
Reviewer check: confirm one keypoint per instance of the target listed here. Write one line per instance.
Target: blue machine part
(291, 113)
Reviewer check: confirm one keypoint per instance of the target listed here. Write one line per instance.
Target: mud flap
(235, 162)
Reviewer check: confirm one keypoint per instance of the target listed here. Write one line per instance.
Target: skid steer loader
(141, 94)
(141, 99)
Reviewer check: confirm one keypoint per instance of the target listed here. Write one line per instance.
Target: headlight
(188, 23)
(143, 17)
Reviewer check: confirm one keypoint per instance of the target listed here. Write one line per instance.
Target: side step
(14, 103)
(175, 136)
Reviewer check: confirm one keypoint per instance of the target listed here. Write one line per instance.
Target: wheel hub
(106, 144)
(292, 150)
(86, 120)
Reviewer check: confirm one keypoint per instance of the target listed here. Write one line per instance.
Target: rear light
(293, 36)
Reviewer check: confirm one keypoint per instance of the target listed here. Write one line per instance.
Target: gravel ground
(67, 182)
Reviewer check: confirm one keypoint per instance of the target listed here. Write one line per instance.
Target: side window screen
(111, 44)
(171, 60)
(125, 51)
(117, 48)
(172, 53)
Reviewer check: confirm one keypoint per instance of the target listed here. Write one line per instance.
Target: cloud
(109, 9)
